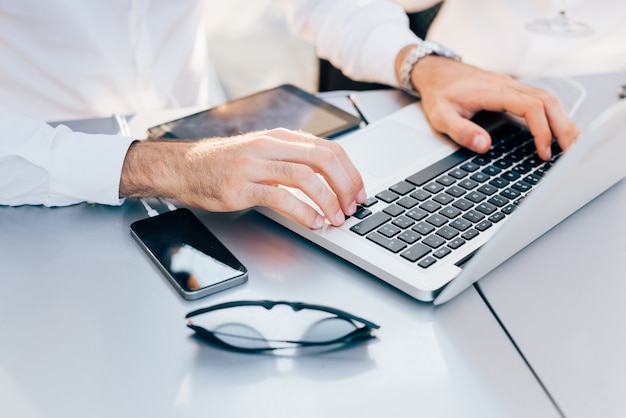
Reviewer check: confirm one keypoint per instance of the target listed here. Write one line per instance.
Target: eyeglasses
(263, 325)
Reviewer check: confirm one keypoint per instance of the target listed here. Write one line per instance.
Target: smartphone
(194, 260)
(285, 106)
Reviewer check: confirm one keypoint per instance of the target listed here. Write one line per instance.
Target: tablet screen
(285, 106)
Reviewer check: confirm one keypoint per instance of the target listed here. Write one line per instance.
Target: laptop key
(475, 197)
(499, 182)
(407, 202)
(402, 188)
(447, 232)
(487, 189)
(496, 217)
(445, 180)
(362, 213)
(403, 222)
(463, 204)
(481, 160)
(388, 230)
(522, 186)
(450, 212)
(457, 173)
(507, 210)
(498, 200)
(371, 201)
(420, 195)
(442, 252)
(470, 167)
(430, 206)
(484, 225)
(415, 252)
(437, 220)
(510, 175)
(491, 170)
(423, 228)
(434, 241)
(486, 208)
(427, 262)
(443, 198)
(387, 196)
(433, 187)
(474, 216)
(393, 210)
(409, 237)
(456, 243)
(480, 177)
(417, 214)
(455, 191)
(461, 224)
(369, 224)
(510, 193)
(392, 245)
(470, 234)
(468, 184)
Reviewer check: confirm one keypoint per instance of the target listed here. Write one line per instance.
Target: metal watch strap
(417, 53)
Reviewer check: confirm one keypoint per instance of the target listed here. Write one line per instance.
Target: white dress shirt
(490, 34)
(66, 59)
(63, 59)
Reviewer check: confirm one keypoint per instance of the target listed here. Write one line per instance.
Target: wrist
(152, 169)
(411, 55)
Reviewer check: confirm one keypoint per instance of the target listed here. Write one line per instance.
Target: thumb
(463, 131)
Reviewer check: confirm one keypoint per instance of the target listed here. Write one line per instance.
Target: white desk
(562, 298)
(91, 328)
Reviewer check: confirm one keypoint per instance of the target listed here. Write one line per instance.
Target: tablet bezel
(349, 121)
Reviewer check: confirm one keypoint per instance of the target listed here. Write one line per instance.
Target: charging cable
(581, 98)
(122, 125)
(151, 211)
(167, 203)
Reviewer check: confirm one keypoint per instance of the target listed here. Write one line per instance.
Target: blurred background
(255, 50)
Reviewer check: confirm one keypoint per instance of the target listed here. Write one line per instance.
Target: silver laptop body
(394, 148)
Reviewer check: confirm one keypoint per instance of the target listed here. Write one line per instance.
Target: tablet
(285, 106)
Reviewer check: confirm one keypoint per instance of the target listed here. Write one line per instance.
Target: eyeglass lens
(258, 328)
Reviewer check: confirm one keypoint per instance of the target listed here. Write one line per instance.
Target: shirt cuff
(86, 167)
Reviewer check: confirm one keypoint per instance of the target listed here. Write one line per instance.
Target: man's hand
(452, 92)
(227, 174)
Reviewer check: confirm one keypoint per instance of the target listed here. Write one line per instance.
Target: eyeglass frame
(360, 333)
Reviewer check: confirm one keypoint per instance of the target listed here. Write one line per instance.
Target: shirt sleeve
(361, 37)
(42, 165)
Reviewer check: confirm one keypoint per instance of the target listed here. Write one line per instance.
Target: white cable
(122, 124)
(151, 211)
(581, 98)
(167, 203)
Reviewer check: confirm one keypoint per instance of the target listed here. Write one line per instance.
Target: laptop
(440, 217)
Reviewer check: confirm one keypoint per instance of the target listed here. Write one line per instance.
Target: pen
(357, 106)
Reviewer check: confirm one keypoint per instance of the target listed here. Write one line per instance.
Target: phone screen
(285, 106)
(190, 256)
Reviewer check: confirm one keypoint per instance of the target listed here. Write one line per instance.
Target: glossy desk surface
(91, 328)
(562, 298)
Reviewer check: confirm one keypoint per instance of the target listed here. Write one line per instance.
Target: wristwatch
(417, 53)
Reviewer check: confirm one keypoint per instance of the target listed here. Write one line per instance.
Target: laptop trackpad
(378, 151)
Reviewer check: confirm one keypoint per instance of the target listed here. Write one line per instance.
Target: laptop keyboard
(435, 211)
